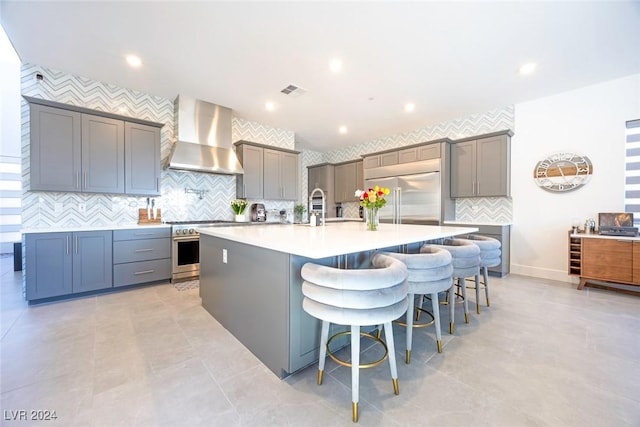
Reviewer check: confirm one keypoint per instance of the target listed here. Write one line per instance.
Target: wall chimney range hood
(204, 138)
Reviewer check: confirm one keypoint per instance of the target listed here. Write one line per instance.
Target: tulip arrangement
(238, 206)
(373, 197)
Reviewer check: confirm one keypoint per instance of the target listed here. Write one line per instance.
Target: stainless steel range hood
(204, 138)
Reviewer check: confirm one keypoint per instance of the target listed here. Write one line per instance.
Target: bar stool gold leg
(439, 346)
(320, 377)
(452, 328)
(396, 387)
(408, 357)
(354, 411)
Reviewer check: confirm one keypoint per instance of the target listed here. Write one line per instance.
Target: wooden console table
(613, 259)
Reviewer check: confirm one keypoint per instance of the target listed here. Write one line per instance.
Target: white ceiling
(449, 58)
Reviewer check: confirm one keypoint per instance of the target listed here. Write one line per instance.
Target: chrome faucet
(323, 202)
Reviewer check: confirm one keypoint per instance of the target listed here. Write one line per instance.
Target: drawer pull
(144, 250)
(143, 234)
(143, 272)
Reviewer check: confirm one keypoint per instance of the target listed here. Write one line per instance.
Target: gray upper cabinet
(249, 184)
(347, 181)
(102, 155)
(269, 173)
(481, 167)
(64, 263)
(383, 159)
(73, 150)
(142, 159)
(55, 149)
(280, 175)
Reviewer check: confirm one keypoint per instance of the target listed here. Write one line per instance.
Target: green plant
(299, 209)
(238, 206)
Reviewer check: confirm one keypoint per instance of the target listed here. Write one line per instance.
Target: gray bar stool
(428, 273)
(465, 259)
(490, 253)
(359, 297)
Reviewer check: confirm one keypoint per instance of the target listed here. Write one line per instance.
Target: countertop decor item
(298, 211)
(372, 200)
(563, 171)
(239, 206)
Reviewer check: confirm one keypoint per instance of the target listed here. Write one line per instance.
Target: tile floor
(544, 354)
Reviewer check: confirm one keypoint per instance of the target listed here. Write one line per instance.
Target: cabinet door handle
(144, 250)
(143, 272)
(78, 179)
(76, 243)
(478, 185)
(85, 180)
(68, 253)
(158, 185)
(143, 234)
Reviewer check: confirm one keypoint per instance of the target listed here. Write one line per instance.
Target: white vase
(239, 217)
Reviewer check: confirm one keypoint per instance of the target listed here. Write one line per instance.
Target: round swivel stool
(465, 259)
(428, 273)
(490, 253)
(359, 297)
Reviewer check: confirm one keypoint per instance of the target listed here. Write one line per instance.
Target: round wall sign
(563, 171)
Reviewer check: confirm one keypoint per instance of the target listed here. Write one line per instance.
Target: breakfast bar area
(257, 296)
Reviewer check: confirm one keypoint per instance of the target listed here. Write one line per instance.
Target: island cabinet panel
(142, 159)
(55, 149)
(249, 295)
(607, 259)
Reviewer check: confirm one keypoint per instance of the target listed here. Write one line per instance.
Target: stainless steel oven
(185, 257)
(185, 253)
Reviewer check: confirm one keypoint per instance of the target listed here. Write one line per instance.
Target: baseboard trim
(543, 273)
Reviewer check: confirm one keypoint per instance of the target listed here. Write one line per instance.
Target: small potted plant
(298, 211)
(238, 206)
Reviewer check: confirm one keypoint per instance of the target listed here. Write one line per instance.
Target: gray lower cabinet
(503, 234)
(480, 167)
(141, 255)
(58, 264)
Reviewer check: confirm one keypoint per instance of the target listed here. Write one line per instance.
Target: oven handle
(185, 238)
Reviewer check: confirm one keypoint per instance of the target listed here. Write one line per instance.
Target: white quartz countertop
(333, 239)
(91, 228)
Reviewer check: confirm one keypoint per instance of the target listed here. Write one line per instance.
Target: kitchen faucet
(323, 201)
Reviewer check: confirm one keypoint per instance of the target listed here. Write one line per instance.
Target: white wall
(590, 121)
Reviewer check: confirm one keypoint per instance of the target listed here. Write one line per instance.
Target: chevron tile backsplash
(46, 209)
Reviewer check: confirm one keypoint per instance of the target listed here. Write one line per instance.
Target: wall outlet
(82, 207)
(224, 256)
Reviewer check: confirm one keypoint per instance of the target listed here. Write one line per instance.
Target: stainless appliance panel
(414, 199)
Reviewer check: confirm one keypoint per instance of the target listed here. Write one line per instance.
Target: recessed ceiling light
(270, 106)
(409, 107)
(134, 61)
(528, 68)
(343, 129)
(335, 65)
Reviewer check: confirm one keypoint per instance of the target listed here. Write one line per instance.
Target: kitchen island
(250, 279)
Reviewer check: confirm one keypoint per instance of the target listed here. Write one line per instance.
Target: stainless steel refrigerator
(414, 199)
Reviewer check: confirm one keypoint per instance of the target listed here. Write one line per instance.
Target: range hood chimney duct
(204, 138)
